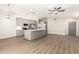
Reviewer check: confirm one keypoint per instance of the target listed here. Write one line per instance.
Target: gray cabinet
(34, 34)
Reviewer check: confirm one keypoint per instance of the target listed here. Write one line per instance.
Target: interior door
(72, 28)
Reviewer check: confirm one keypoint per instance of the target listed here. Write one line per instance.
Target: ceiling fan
(55, 10)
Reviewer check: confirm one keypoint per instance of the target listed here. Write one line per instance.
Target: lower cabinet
(34, 34)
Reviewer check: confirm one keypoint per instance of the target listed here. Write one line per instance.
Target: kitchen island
(34, 34)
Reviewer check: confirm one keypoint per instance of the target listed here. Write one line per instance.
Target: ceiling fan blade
(52, 9)
(58, 8)
(51, 12)
(61, 10)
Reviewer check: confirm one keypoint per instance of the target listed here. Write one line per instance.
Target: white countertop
(35, 30)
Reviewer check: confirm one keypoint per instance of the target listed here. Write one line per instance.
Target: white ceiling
(72, 10)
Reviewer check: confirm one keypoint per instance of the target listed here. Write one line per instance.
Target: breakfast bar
(34, 34)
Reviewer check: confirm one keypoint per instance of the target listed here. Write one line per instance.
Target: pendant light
(8, 16)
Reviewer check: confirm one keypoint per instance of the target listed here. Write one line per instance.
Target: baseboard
(7, 37)
(19, 35)
(56, 34)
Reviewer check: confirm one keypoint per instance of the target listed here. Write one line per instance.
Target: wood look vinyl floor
(51, 44)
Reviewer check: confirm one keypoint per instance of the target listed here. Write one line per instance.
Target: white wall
(77, 27)
(60, 26)
(7, 28)
(56, 26)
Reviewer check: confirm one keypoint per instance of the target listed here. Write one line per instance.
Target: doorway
(72, 28)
